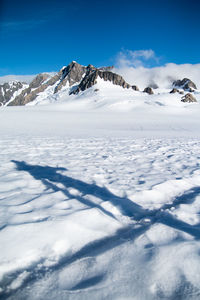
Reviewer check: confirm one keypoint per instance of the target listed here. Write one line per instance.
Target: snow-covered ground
(100, 201)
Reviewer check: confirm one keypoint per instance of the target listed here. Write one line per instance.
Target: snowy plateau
(100, 195)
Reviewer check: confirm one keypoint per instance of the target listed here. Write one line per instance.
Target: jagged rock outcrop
(37, 85)
(174, 90)
(75, 76)
(148, 90)
(188, 98)
(72, 74)
(109, 68)
(185, 84)
(8, 89)
(38, 80)
(135, 88)
(93, 73)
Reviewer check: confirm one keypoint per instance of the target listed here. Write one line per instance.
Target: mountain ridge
(72, 80)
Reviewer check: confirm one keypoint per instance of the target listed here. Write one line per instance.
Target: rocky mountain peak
(93, 73)
(73, 79)
(37, 85)
(91, 67)
(73, 67)
(8, 89)
(185, 84)
(72, 74)
(38, 80)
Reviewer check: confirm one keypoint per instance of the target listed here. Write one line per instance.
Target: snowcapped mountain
(9, 90)
(99, 189)
(185, 84)
(70, 80)
(102, 86)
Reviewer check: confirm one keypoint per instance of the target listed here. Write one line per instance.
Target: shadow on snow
(50, 176)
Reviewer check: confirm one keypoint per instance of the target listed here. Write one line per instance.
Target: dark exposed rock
(148, 90)
(188, 98)
(91, 76)
(38, 80)
(90, 68)
(38, 85)
(185, 84)
(72, 74)
(135, 88)
(28, 95)
(78, 77)
(8, 89)
(174, 90)
(190, 90)
(106, 68)
(25, 97)
(181, 92)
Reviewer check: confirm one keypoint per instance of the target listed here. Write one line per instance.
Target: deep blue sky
(38, 36)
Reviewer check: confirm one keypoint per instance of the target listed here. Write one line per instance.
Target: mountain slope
(76, 82)
(72, 79)
(9, 90)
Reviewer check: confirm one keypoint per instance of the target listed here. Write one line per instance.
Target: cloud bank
(22, 78)
(132, 65)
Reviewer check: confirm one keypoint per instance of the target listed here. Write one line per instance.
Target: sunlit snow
(99, 197)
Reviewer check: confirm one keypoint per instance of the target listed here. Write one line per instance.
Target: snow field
(110, 218)
(99, 194)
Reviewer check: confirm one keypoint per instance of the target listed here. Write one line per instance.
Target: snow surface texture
(100, 201)
(109, 97)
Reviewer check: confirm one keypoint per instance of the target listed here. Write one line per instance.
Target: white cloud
(137, 58)
(146, 54)
(22, 78)
(163, 76)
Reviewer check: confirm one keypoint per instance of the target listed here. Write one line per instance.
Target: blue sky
(38, 36)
